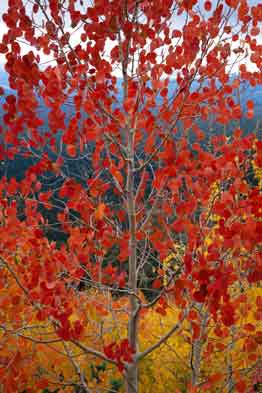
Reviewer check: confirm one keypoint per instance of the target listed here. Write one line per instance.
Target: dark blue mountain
(81, 168)
(247, 92)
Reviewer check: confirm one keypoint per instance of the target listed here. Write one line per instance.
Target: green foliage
(96, 369)
(50, 391)
(116, 385)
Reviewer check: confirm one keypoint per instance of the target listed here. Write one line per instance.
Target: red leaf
(71, 150)
(109, 350)
(157, 283)
(227, 314)
(259, 302)
(208, 5)
(161, 310)
(196, 330)
(249, 327)
(250, 104)
(241, 387)
(200, 296)
(42, 383)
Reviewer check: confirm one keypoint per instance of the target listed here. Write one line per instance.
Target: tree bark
(197, 346)
(132, 371)
(230, 377)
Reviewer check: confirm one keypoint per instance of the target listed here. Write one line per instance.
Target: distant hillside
(81, 168)
(247, 92)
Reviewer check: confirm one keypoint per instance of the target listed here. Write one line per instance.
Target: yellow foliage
(174, 260)
(258, 173)
(168, 366)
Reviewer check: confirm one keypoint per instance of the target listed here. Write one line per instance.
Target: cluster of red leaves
(121, 353)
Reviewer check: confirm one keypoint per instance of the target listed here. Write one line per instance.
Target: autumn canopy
(131, 196)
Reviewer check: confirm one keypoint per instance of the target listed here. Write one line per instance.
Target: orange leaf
(100, 211)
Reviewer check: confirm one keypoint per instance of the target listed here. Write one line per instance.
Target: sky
(75, 39)
(3, 29)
